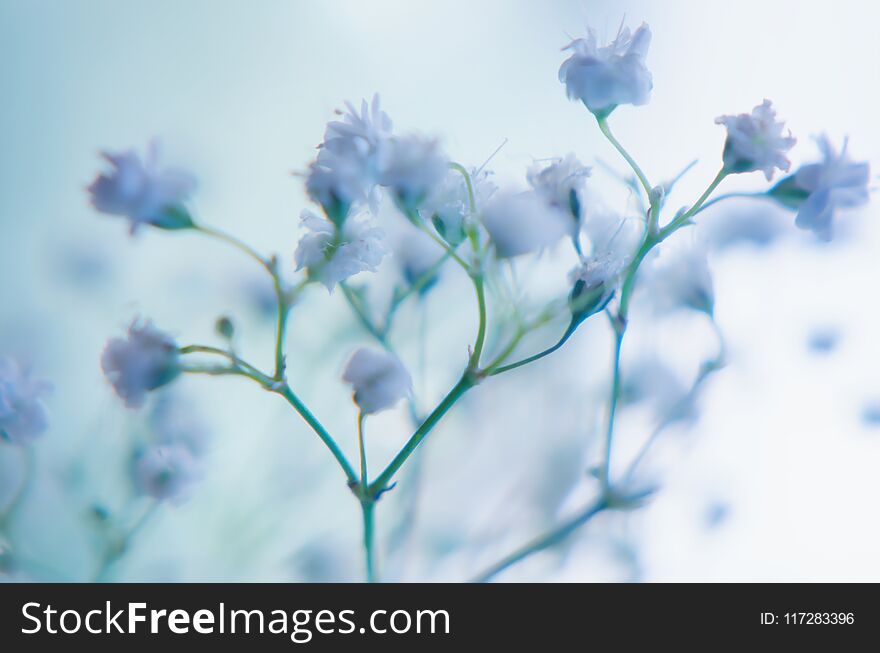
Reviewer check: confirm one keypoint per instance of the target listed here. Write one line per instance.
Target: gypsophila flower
(142, 191)
(347, 167)
(411, 166)
(165, 472)
(144, 360)
(755, 141)
(680, 278)
(521, 223)
(607, 76)
(378, 378)
(834, 183)
(561, 183)
(359, 134)
(448, 205)
(332, 254)
(22, 414)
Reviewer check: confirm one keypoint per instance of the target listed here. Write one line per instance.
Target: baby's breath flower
(448, 205)
(347, 167)
(755, 141)
(378, 378)
(144, 360)
(561, 183)
(411, 167)
(165, 471)
(332, 254)
(603, 77)
(834, 183)
(22, 414)
(142, 191)
(520, 223)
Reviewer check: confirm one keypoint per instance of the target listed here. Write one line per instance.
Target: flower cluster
(144, 360)
(456, 215)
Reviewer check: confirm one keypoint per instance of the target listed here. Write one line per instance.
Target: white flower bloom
(607, 76)
(337, 182)
(680, 277)
(520, 223)
(449, 202)
(755, 141)
(378, 378)
(142, 191)
(561, 183)
(834, 183)
(361, 134)
(411, 166)
(145, 360)
(347, 166)
(22, 414)
(332, 254)
(165, 471)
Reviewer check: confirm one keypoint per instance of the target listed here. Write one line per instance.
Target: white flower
(607, 76)
(448, 205)
(680, 277)
(145, 360)
(561, 183)
(332, 254)
(755, 141)
(165, 471)
(22, 414)
(411, 166)
(834, 183)
(362, 134)
(520, 223)
(142, 191)
(378, 378)
(347, 167)
(336, 183)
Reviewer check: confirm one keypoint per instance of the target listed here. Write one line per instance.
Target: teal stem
(572, 327)
(545, 541)
(367, 507)
(606, 130)
(683, 219)
(605, 468)
(363, 450)
(464, 384)
(479, 287)
(286, 392)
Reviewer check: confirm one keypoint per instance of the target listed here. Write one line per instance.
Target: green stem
(367, 507)
(363, 451)
(286, 392)
(544, 541)
(491, 370)
(479, 287)
(605, 468)
(728, 196)
(606, 130)
(682, 219)
(464, 384)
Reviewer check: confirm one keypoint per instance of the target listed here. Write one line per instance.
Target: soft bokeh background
(776, 479)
